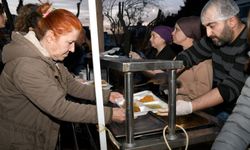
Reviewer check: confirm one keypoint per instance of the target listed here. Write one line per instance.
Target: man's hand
(182, 108)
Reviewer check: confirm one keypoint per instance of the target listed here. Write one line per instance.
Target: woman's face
(156, 40)
(63, 44)
(178, 35)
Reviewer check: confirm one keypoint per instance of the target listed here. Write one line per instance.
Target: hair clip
(48, 12)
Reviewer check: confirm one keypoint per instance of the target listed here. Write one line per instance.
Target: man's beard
(224, 38)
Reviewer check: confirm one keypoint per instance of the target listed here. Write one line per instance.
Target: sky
(71, 6)
(67, 4)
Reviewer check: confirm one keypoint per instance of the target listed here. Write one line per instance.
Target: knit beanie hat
(191, 26)
(165, 32)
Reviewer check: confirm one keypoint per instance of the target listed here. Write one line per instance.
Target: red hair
(60, 21)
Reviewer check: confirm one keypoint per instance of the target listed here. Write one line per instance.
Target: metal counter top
(124, 64)
(128, 66)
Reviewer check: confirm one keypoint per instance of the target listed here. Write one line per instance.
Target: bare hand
(118, 115)
(115, 96)
(134, 55)
(160, 78)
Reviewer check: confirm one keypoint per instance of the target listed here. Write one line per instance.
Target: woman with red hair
(34, 84)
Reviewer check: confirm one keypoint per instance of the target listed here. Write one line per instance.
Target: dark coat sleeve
(200, 51)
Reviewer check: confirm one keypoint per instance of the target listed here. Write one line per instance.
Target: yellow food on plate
(153, 106)
(136, 108)
(104, 82)
(147, 98)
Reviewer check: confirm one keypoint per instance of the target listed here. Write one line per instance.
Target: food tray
(145, 107)
(151, 124)
(143, 125)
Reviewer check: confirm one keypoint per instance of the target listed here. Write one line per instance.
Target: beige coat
(195, 81)
(32, 98)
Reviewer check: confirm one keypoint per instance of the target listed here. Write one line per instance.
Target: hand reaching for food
(134, 55)
(118, 115)
(115, 97)
(160, 78)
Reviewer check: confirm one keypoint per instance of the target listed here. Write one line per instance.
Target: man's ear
(232, 22)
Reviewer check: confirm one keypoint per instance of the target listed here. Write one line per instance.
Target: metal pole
(97, 71)
(128, 90)
(172, 105)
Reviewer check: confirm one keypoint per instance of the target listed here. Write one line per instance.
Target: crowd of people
(34, 82)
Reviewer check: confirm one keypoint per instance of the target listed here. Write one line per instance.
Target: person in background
(226, 44)
(160, 41)
(197, 80)
(3, 39)
(23, 22)
(235, 134)
(34, 84)
(20, 24)
(2, 17)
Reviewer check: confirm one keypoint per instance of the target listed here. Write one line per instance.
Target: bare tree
(78, 8)
(122, 14)
(19, 6)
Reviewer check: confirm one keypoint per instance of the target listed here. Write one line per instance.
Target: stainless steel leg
(128, 92)
(172, 105)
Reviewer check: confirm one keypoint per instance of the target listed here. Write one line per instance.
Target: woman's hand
(134, 55)
(115, 97)
(118, 115)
